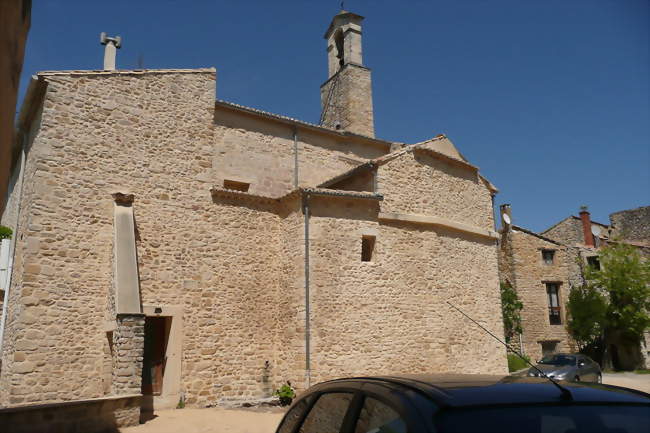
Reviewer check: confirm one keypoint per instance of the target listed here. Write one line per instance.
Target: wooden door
(153, 363)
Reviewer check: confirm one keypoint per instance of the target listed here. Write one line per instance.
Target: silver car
(572, 367)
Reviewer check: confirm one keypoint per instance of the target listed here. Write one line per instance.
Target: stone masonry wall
(290, 362)
(235, 266)
(632, 225)
(421, 184)
(567, 231)
(347, 100)
(128, 343)
(389, 315)
(225, 274)
(103, 415)
(55, 342)
(261, 152)
(528, 274)
(103, 133)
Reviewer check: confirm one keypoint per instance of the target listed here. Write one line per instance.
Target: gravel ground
(212, 420)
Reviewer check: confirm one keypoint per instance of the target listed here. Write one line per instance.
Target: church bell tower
(346, 96)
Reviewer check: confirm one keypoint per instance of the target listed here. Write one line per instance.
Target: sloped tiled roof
(292, 120)
(537, 235)
(402, 151)
(229, 193)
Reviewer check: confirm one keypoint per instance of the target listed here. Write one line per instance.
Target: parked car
(466, 403)
(568, 366)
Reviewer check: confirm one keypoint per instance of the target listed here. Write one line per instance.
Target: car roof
(459, 390)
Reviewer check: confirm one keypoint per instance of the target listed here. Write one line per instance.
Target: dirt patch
(212, 420)
(628, 380)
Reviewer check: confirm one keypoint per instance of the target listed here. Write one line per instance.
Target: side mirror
(581, 364)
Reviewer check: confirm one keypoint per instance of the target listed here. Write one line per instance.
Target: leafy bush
(511, 308)
(587, 310)
(5, 232)
(285, 393)
(625, 277)
(515, 363)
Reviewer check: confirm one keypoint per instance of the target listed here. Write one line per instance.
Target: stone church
(172, 247)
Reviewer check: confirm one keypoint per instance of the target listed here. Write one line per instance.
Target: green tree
(587, 311)
(624, 276)
(5, 232)
(511, 310)
(615, 300)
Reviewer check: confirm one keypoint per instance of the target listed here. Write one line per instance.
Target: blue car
(466, 403)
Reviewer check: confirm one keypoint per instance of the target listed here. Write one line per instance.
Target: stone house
(179, 247)
(538, 268)
(543, 267)
(586, 237)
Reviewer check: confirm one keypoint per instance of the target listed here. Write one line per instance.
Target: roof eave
(299, 123)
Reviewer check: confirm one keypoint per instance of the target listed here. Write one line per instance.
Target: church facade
(187, 249)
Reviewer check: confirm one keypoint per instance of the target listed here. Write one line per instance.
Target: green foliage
(511, 310)
(285, 393)
(615, 300)
(515, 363)
(625, 277)
(5, 232)
(181, 402)
(587, 310)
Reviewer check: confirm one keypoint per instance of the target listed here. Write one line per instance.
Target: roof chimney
(110, 52)
(586, 226)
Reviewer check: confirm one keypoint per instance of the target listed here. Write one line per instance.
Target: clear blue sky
(550, 98)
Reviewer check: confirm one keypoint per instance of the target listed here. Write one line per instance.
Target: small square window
(367, 248)
(235, 185)
(593, 262)
(547, 256)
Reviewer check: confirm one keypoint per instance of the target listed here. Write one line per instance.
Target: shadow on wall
(446, 167)
(343, 208)
(252, 203)
(440, 231)
(102, 415)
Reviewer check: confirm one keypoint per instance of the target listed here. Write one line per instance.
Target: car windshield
(546, 419)
(558, 360)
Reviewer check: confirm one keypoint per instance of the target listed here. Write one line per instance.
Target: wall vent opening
(367, 248)
(235, 185)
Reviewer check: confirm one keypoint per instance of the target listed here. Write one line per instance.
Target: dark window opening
(156, 337)
(593, 262)
(338, 40)
(548, 349)
(237, 186)
(367, 248)
(547, 256)
(553, 293)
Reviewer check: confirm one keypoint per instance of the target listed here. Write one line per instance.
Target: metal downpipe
(307, 305)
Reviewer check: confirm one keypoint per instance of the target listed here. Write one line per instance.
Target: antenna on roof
(566, 394)
(595, 230)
